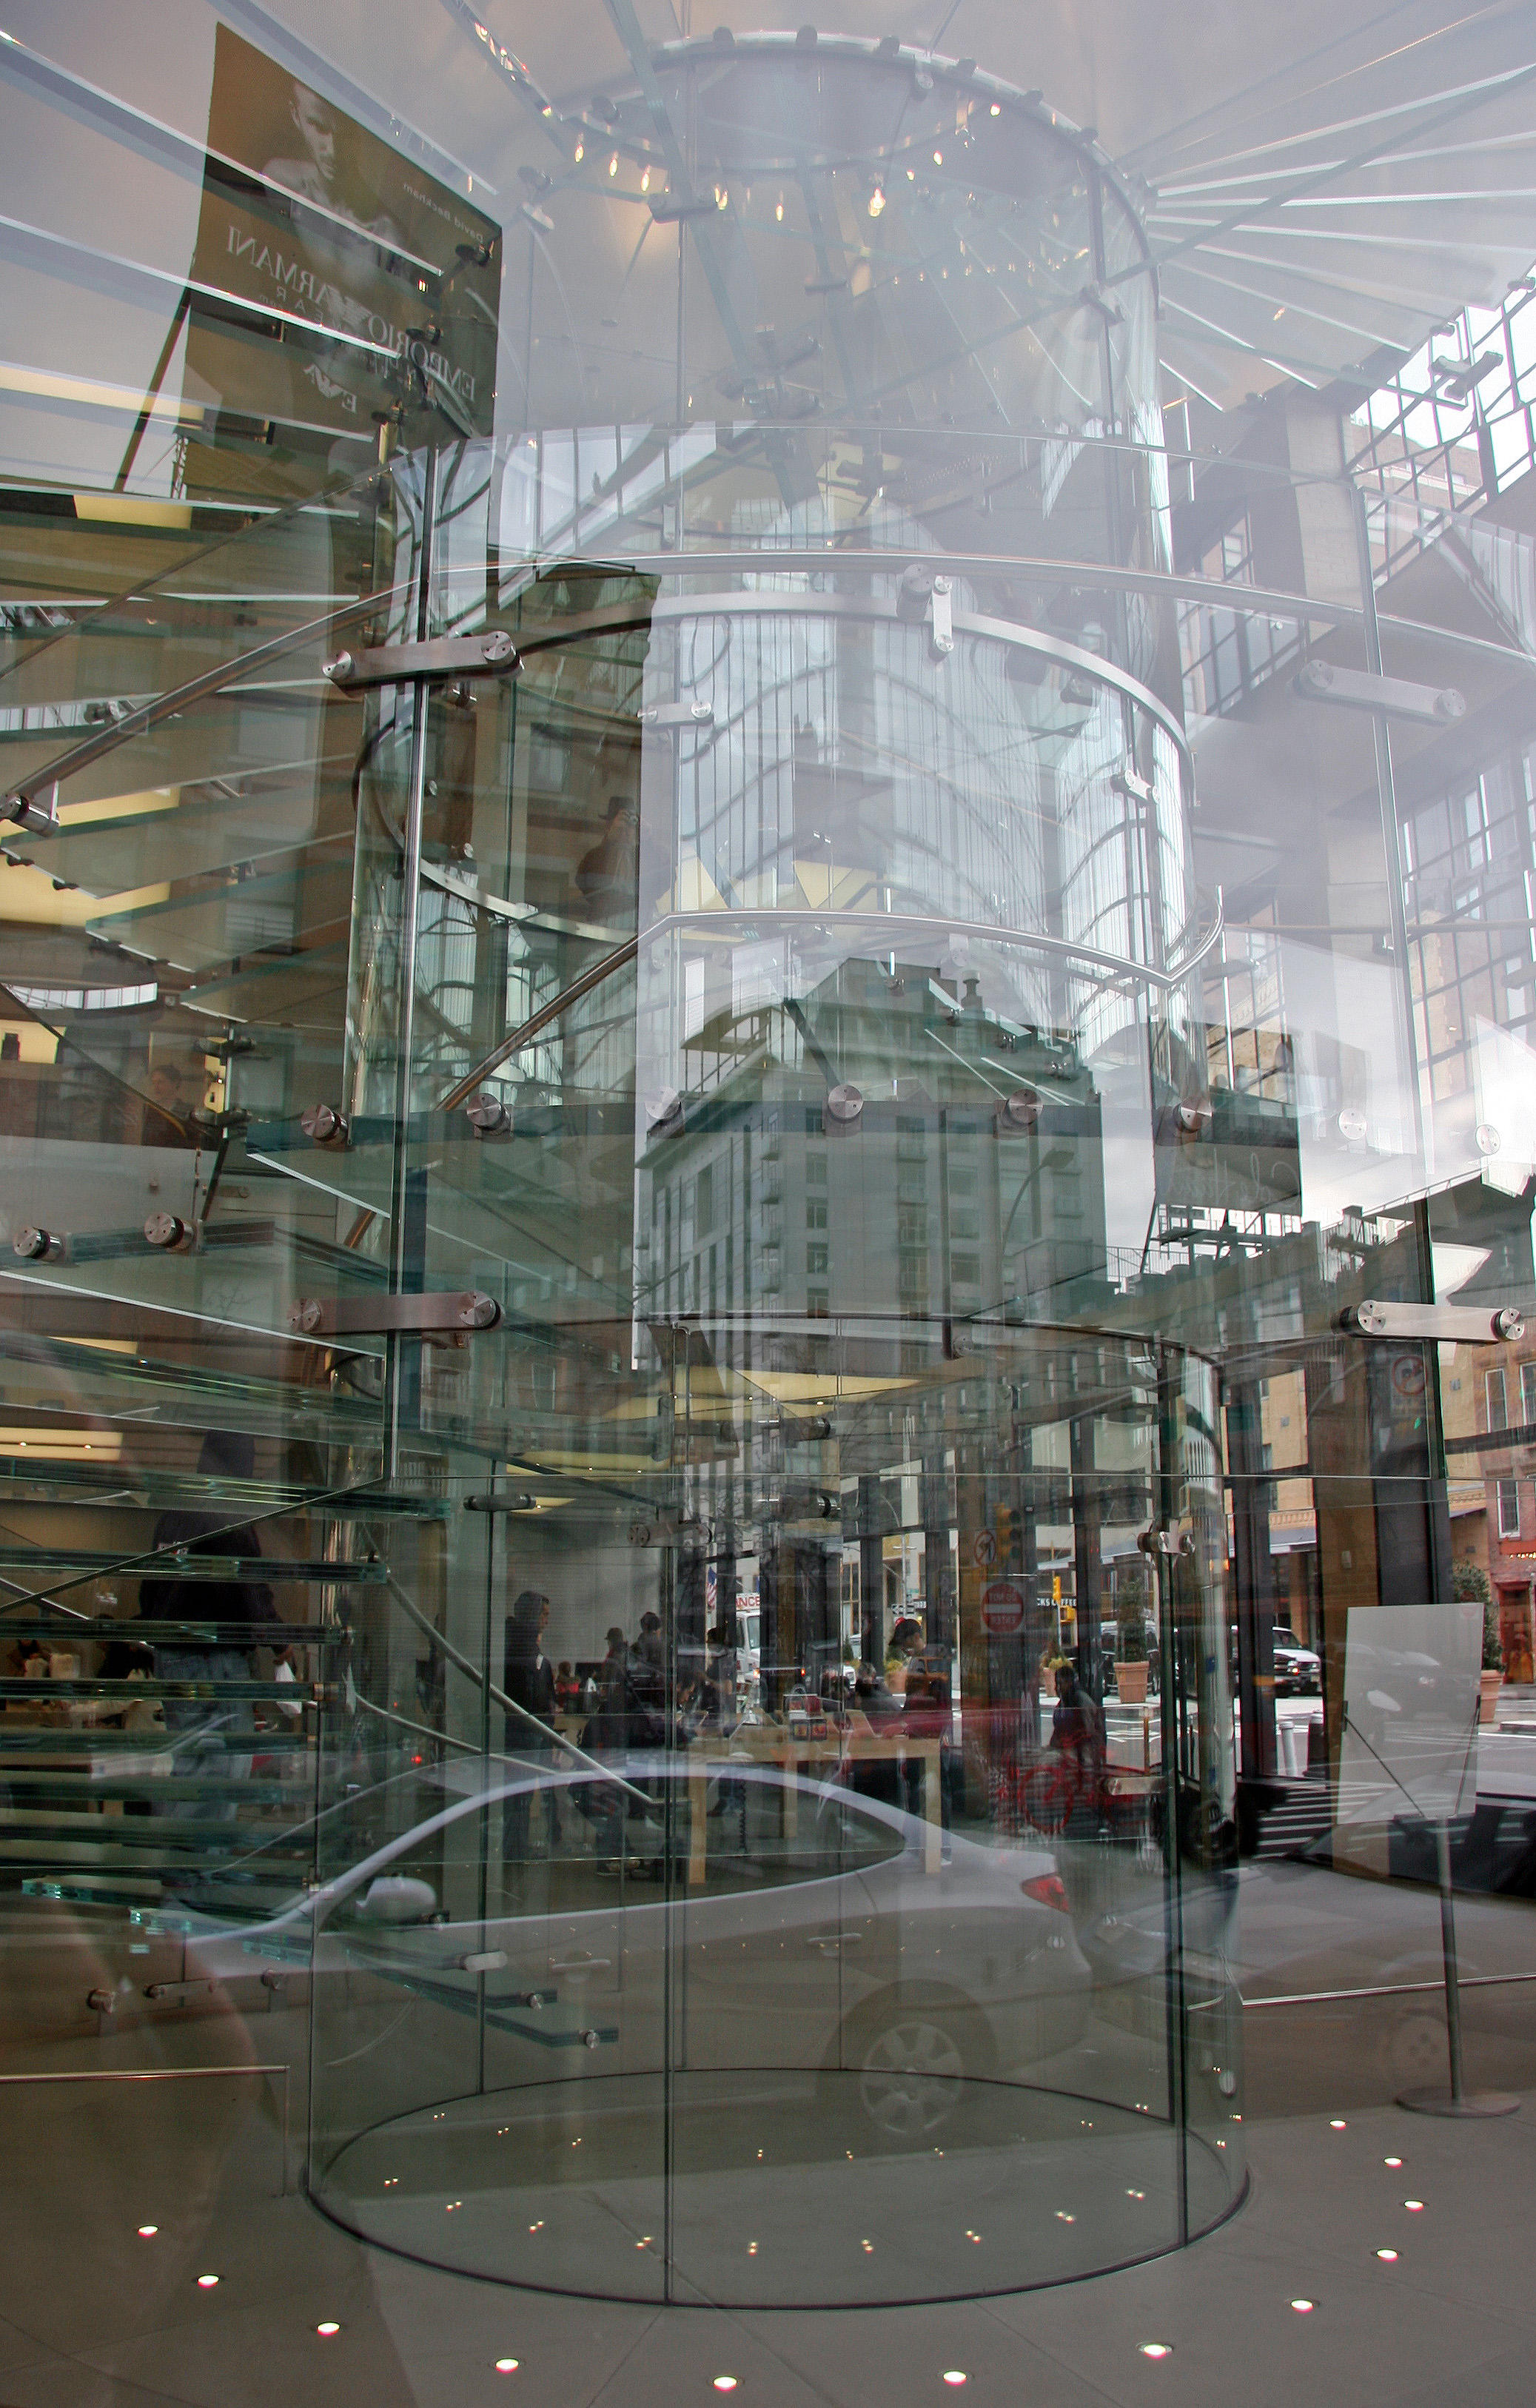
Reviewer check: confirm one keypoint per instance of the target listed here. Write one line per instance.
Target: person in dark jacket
(929, 1713)
(528, 1680)
(607, 1731)
(608, 1725)
(234, 1612)
(876, 1776)
(607, 877)
(648, 1684)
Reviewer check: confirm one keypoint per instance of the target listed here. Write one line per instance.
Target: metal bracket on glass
(32, 1244)
(373, 1316)
(492, 654)
(1155, 1541)
(23, 813)
(488, 1114)
(924, 597)
(678, 714)
(322, 1124)
(1436, 706)
(1459, 1323)
(941, 620)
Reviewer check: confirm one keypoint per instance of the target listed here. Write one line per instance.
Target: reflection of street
(1506, 1751)
(1353, 1968)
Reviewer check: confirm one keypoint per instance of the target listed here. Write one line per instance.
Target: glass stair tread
(199, 1566)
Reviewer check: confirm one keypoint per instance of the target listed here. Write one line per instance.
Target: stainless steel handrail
(1242, 601)
(527, 1030)
(22, 796)
(166, 2073)
(1385, 1990)
(509, 1705)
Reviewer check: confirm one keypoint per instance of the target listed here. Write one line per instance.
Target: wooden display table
(712, 1757)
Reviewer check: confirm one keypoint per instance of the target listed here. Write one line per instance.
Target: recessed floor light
(1156, 2349)
(1387, 2257)
(1391, 2162)
(1337, 2124)
(207, 2282)
(1414, 2206)
(506, 2366)
(148, 2231)
(329, 2328)
(954, 2375)
(725, 2383)
(1303, 2307)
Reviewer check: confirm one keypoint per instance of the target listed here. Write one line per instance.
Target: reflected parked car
(1297, 1669)
(822, 1931)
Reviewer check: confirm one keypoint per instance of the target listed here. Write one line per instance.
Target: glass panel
(726, 1337)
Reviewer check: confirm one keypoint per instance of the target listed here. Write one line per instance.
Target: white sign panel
(1411, 1681)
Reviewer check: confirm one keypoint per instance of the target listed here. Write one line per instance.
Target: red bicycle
(1046, 1793)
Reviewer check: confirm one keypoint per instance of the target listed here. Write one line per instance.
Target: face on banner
(352, 255)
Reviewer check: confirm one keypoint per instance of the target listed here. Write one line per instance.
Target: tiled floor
(93, 2313)
(96, 2315)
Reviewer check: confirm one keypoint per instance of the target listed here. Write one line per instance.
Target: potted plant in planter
(1470, 1582)
(1130, 1671)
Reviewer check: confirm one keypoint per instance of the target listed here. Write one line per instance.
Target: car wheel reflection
(911, 2079)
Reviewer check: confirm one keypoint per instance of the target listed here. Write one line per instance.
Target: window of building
(817, 1259)
(1527, 1392)
(1509, 1508)
(1493, 1382)
(1468, 849)
(1453, 424)
(815, 1212)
